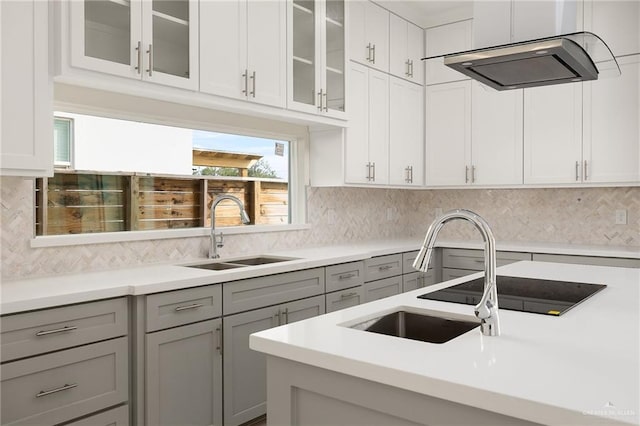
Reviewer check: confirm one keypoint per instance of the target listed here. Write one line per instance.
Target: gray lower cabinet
(184, 375)
(380, 289)
(245, 370)
(416, 280)
(344, 298)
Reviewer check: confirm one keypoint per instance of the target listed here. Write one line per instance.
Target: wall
(579, 216)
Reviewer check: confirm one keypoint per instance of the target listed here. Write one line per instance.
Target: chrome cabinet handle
(407, 72)
(56, 390)
(285, 314)
(466, 174)
(473, 174)
(584, 171)
(320, 100)
(345, 276)
(369, 52)
(577, 170)
(369, 172)
(219, 340)
(253, 85)
(373, 48)
(187, 307)
(411, 167)
(324, 97)
(411, 68)
(245, 75)
(57, 330)
(373, 174)
(139, 55)
(279, 317)
(384, 267)
(348, 295)
(150, 52)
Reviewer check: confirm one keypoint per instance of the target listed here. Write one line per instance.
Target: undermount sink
(415, 326)
(240, 263)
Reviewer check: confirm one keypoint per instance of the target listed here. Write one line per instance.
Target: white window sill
(116, 237)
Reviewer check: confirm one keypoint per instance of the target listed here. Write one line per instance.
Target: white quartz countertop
(42, 292)
(580, 368)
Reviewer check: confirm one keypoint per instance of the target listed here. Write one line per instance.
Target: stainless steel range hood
(565, 58)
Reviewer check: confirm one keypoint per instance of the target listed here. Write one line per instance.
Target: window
(131, 176)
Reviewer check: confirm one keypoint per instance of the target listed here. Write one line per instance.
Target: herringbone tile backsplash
(576, 215)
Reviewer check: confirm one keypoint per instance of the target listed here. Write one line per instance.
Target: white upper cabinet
(496, 141)
(243, 50)
(611, 138)
(26, 110)
(553, 134)
(369, 34)
(617, 22)
(406, 48)
(152, 40)
(367, 136)
(448, 133)
(442, 40)
(316, 56)
(406, 134)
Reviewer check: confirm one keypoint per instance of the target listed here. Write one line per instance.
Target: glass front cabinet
(153, 40)
(317, 56)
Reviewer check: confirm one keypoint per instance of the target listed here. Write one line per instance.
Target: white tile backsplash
(574, 215)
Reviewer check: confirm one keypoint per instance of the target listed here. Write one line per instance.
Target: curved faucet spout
(215, 244)
(487, 309)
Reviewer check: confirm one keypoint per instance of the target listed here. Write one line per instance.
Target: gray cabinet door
(184, 375)
(344, 299)
(382, 288)
(245, 380)
(417, 280)
(380, 267)
(343, 276)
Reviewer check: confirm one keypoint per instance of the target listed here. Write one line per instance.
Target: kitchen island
(580, 368)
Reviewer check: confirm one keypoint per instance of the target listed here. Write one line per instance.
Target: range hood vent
(560, 59)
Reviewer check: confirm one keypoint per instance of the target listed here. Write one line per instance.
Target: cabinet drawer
(382, 288)
(343, 276)
(33, 333)
(60, 386)
(244, 295)
(588, 260)
(474, 259)
(381, 267)
(344, 298)
(165, 310)
(115, 417)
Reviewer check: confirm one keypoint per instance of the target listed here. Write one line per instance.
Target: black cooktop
(522, 294)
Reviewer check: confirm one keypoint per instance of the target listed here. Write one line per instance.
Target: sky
(245, 144)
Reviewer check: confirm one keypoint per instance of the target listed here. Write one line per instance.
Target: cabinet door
(266, 51)
(344, 299)
(183, 375)
(617, 22)
(335, 57)
(553, 134)
(223, 48)
(379, 126)
(170, 42)
(357, 132)
(26, 124)
(611, 151)
(302, 309)
(377, 33)
(398, 43)
(406, 138)
(380, 289)
(496, 126)
(442, 40)
(245, 370)
(448, 133)
(303, 47)
(358, 44)
(415, 51)
(106, 36)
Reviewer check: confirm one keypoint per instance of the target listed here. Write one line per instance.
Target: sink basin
(240, 263)
(415, 326)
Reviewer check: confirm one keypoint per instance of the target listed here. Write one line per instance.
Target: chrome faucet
(487, 309)
(215, 244)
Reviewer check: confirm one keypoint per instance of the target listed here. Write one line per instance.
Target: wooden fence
(87, 202)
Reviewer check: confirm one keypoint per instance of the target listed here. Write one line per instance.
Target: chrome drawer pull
(56, 390)
(385, 267)
(345, 276)
(57, 330)
(348, 295)
(194, 306)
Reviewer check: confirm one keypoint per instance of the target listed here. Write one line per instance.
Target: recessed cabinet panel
(379, 126)
(357, 133)
(369, 34)
(617, 22)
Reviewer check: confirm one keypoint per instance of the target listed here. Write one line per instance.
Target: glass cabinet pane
(335, 54)
(107, 30)
(171, 37)
(304, 55)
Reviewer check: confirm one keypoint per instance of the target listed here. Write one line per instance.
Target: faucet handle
(220, 242)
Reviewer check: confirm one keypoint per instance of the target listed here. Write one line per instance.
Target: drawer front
(450, 273)
(418, 280)
(33, 333)
(240, 296)
(382, 288)
(344, 298)
(115, 417)
(381, 267)
(588, 260)
(474, 259)
(57, 387)
(174, 308)
(343, 276)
